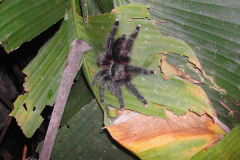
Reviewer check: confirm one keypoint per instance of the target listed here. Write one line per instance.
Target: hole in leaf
(68, 126)
(25, 106)
(34, 108)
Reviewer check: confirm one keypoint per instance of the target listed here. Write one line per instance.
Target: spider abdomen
(118, 71)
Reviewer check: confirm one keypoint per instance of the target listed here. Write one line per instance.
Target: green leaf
(44, 77)
(212, 30)
(84, 138)
(91, 7)
(227, 148)
(21, 20)
(44, 74)
(174, 45)
(175, 94)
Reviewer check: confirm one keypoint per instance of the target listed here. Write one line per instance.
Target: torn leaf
(44, 74)
(169, 71)
(174, 94)
(174, 45)
(178, 137)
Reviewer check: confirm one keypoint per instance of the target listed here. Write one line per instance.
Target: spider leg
(135, 92)
(114, 88)
(98, 76)
(128, 45)
(130, 40)
(102, 88)
(120, 98)
(110, 38)
(133, 36)
(139, 70)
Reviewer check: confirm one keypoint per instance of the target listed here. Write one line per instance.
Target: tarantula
(116, 70)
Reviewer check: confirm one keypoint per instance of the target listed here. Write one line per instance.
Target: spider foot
(122, 107)
(116, 22)
(144, 102)
(153, 72)
(138, 27)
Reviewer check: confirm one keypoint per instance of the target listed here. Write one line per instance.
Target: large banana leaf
(44, 77)
(21, 20)
(178, 95)
(212, 30)
(45, 69)
(181, 95)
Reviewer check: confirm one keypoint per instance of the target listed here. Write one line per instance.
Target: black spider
(115, 66)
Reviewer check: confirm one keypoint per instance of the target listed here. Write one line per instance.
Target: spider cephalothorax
(116, 70)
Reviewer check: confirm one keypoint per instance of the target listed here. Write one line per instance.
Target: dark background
(11, 85)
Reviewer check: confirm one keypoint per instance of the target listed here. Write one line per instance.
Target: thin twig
(6, 101)
(5, 128)
(78, 48)
(25, 148)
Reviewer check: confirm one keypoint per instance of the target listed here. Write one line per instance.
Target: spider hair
(116, 70)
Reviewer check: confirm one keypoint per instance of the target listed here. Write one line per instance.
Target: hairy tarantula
(116, 70)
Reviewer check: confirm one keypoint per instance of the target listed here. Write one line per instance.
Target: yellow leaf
(178, 137)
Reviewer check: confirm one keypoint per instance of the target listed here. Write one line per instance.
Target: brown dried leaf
(153, 137)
